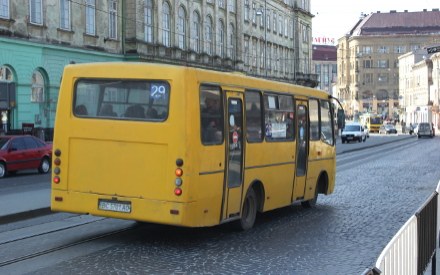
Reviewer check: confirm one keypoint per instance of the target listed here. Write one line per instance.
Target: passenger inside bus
(81, 110)
(135, 111)
(107, 110)
(212, 129)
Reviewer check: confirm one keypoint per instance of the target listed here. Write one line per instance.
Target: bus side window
(254, 121)
(211, 115)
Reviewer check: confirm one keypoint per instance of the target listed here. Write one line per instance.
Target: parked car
(425, 129)
(387, 129)
(353, 132)
(24, 152)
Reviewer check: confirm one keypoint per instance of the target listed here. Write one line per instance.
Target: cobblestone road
(377, 190)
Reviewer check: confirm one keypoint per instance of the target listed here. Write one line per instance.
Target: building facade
(368, 66)
(264, 38)
(419, 87)
(324, 65)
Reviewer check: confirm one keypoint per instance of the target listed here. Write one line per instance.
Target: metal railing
(414, 246)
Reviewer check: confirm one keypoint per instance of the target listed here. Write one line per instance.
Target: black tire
(312, 202)
(44, 167)
(248, 212)
(360, 139)
(3, 170)
(343, 140)
(418, 136)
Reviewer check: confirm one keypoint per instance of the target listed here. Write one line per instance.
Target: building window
(383, 49)
(196, 32)
(382, 64)
(148, 20)
(274, 22)
(231, 48)
(254, 53)
(221, 39)
(4, 9)
(399, 49)
(261, 54)
(368, 63)
(181, 28)
(280, 25)
(166, 25)
(90, 17)
(36, 12)
(382, 78)
(64, 14)
(221, 4)
(231, 5)
(268, 20)
(6, 74)
(368, 78)
(112, 18)
(367, 49)
(246, 51)
(246, 10)
(208, 35)
(254, 14)
(37, 88)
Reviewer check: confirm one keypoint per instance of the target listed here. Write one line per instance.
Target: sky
(333, 19)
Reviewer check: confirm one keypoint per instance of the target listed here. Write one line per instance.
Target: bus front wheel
(249, 211)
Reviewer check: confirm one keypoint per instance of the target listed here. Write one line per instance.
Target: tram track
(52, 238)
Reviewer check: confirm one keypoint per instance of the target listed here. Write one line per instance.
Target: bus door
(233, 188)
(302, 149)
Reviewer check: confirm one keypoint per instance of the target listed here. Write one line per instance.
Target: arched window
(37, 88)
(208, 35)
(6, 74)
(231, 46)
(148, 20)
(221, 39)
(196, 32)
(181, 28)
(166, 25)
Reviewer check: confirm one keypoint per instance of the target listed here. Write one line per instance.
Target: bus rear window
(122, 99)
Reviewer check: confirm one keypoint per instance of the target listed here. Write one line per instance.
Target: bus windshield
(376, 120)
(121, 99)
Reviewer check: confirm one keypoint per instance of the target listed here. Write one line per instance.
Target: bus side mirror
(341, 118)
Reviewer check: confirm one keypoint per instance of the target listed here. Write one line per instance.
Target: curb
(25, 215)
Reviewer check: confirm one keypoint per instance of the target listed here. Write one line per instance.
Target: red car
(24, 152)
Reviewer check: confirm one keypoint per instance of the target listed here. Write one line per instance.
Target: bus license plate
(115, 206)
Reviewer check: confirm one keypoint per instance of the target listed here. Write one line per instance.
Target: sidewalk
(24, 205)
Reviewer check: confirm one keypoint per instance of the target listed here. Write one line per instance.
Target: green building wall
(23, 58)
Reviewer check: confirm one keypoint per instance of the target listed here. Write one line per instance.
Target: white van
(353, 132)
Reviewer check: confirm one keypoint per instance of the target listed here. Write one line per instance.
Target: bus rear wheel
(249, 211)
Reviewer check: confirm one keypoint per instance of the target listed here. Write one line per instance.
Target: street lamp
(263, 15)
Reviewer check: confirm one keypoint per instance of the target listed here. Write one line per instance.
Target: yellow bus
(187, 147)
(371, 121)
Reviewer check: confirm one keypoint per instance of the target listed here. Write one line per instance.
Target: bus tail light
(177, 191)
(178, 181)
(57, 170)
(179, 172)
